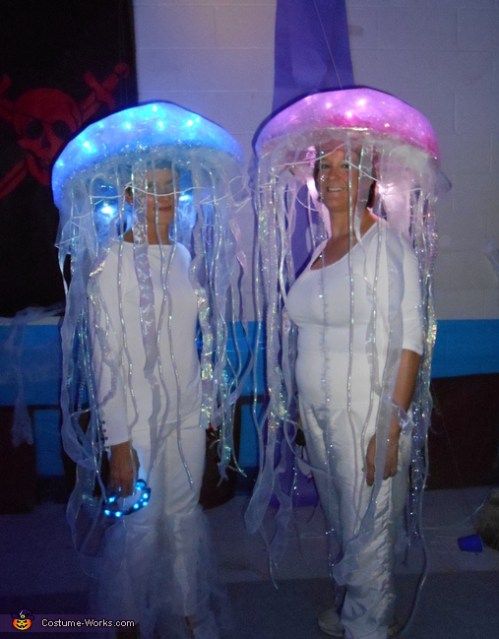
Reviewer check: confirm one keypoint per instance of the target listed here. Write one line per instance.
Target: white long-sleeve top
(124, 392)
(383, 271)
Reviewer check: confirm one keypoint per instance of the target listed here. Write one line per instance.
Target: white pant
(172, 493)
(337, 454)
(156, 566)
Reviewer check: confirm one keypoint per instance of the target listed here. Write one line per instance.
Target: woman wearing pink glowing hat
(360, 311)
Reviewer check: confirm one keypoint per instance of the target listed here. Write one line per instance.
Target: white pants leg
(174, 512)
(157, 565)
(336, 452)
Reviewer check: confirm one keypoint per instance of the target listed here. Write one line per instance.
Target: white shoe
(330, 623)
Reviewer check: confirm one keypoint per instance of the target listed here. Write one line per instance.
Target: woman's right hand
(391, 459)
(122, 469)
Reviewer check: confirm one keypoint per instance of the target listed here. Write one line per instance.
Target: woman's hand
(402, 395)
(123, 469)
(392, 455)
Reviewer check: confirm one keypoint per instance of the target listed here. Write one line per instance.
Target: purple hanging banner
(312, 54)
(312, 49)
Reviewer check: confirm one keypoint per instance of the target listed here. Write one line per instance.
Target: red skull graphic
(44, 119)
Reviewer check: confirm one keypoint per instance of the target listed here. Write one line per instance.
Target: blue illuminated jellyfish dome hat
(93, 171)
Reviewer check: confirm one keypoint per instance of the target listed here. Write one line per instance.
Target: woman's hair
(372, 193)
(163, 164)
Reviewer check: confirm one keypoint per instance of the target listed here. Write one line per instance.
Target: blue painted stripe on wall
(466, 347)
(463, 347)
(39, 356)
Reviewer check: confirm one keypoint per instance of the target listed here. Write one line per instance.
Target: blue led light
(114, 505)
(159, 128)
(107, 210)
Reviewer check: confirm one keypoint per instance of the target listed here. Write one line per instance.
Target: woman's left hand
(391, 460)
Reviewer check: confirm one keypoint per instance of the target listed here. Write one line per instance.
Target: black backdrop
(63, 64)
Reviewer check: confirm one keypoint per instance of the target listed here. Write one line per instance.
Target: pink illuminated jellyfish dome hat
(361, 110)
(397, 144)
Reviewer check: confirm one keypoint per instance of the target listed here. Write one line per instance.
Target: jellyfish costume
(137, 314)
(336, 332)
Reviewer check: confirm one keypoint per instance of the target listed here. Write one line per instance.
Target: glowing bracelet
(111, 505)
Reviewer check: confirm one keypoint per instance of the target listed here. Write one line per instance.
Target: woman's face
(337, 178)
(160, 198)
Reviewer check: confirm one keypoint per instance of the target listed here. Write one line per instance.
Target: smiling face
(337, 177)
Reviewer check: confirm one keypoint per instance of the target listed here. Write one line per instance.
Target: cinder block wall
(442, 56)
(216, 57)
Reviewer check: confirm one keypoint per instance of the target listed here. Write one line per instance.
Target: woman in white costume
(361, 310)
(155, 190)
(339, 422)
(134, 450)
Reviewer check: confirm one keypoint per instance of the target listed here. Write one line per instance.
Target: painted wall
(442, 56)
(216, 57)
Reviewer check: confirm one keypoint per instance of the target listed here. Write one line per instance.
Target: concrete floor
(460, 599)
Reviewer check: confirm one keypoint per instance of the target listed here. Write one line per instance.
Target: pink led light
(359, 109)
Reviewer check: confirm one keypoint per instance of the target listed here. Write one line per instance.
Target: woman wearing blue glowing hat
(145, 209)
